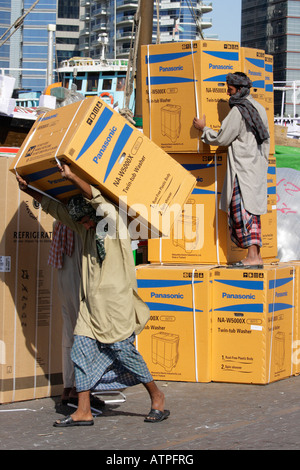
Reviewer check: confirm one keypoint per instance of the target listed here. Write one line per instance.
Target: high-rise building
(274, 25)
(108, 24)
(88, 28)
(181, 20)
(69, 22)
(27, 48)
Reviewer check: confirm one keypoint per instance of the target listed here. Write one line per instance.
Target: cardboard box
(30, 312)
(176, 342)
(7, 84)
(295, 265)
(269, 220)
(253, 65)
(105, 150)
(269, 98)
(201, 234)
(182, 80)
(253, 324)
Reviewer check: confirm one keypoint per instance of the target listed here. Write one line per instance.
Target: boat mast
(146, 28)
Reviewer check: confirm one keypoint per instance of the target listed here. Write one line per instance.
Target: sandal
(241, 265)
(155, 416)
(68, 422)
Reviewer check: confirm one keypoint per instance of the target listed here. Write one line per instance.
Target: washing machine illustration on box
(186, 231)
(171, 121)
(165, 350)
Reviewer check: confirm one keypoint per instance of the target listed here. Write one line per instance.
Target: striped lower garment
(101, 366)
(244, 228)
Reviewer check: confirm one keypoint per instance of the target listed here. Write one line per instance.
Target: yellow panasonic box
(253, 321)
(108, 152)
(176, 342)
(295, 264)
(253, 65)
(269, 98)
(269, 220)
(182, 80)
(200, 234)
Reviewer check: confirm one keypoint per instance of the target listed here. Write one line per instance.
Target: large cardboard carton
(253, 65)
(295, 265)
(269, 98)
(105, 150)
(30, 312)
(182, 80)
(201, 234)
(253, 324)
(176, 342)
(269, 220)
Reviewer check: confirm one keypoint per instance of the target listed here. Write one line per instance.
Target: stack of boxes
(209, 322)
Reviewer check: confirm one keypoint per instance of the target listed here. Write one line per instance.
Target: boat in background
(105, 78)
(78, 78)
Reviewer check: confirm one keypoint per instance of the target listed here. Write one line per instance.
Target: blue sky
(226, 19)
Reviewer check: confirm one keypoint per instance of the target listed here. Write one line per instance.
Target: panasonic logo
(105, 145)
(170, 69)
(281, 294)
(221, 67)
(238, 296)
(166, 296)
(46, 118)
(258, 74)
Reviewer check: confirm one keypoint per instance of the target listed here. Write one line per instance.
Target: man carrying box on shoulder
(110, 313)
(245, 132)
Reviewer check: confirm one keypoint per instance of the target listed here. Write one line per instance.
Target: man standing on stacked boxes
(245, 132)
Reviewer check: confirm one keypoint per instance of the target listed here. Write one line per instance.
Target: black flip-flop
(156, 416)
(68, 422)
(241, 265)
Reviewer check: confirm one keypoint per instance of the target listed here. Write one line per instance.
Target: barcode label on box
(5, 264)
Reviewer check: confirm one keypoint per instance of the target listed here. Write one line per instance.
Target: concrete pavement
(212, 416)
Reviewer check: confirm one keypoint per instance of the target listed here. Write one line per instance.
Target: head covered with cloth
(242, 83)
(79, 209)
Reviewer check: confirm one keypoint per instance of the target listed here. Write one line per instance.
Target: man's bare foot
(252, 261)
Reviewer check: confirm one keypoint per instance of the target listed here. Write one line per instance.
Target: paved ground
(211, 416)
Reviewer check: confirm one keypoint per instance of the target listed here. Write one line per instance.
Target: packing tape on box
(196, 94)
(194, 323)
(15, 302)
(149, 88)
(217, 210)
(293, 317)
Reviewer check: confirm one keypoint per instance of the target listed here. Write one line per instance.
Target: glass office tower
(69, 22)
(108, 24)
(27, 48)
(274, 26)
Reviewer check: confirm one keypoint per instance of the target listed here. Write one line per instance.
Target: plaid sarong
(101, 366)
(62, 243)
(244, 228)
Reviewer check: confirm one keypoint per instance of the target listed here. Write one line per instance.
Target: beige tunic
(110, 308)
(245, 159)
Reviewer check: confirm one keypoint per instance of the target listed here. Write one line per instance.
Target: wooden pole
(145, 38)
